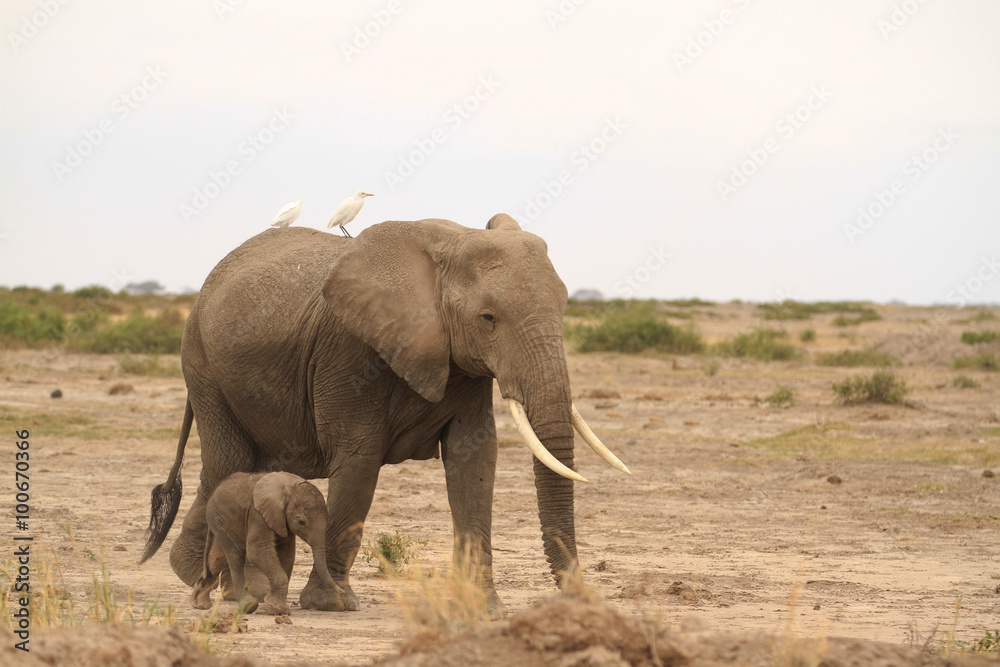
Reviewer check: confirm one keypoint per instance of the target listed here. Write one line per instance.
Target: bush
(149, 365)
(867, 315)
(852, 358)
(808, 336)
(974, 337)
(983, 362)
(139, 334)
(782, 397)
(797, 310)
(391, 552)
(964, 382)
(631, 334)
(21, 323)
(761, 345)
(883, 386)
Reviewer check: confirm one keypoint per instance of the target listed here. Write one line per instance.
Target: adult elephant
(331, 357)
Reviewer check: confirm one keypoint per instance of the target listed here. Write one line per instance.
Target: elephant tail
(166, 497)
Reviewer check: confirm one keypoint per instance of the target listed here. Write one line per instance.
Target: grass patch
(866, 315)
(808, 336)
(975, 337)
(798, 310)
(853, 358)
(148, 365)
(74, 424)
(390, 552)
(964, 382)
(983, 362)
(837, 442)
(882, 386)
(23, 324)
(633, 333)
(759, 345)
(782, 397)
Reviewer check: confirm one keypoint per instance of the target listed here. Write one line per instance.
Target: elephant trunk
(548, 405)
(318, 544)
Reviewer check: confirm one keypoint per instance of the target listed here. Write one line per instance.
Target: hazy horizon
(726, 150)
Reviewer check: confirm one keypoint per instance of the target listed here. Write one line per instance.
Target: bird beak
(368, 194)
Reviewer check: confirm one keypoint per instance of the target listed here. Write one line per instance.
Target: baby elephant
(252, 523)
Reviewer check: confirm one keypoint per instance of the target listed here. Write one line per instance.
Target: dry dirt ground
(873, 522)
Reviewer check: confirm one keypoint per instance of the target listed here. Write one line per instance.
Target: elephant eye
(489, 319)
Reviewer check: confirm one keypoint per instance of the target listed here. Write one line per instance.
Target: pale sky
(615, 131)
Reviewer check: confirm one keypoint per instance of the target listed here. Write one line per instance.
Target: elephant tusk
(595, 443)
(536, 446)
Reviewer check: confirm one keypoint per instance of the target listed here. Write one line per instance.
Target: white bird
(287, 214)
(347, 210)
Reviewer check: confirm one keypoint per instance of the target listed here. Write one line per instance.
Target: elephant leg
(469, 452)
(265, 572)
(225, 449)
(201, 597)
(285, 549)
(352, 486)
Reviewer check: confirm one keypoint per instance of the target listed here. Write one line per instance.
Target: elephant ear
(271, 494)
(504, 222)
(385, 288)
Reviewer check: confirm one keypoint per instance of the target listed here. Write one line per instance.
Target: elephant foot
(201, 597)
(274, 608)
(495, 606)
(323, 598)
(248, 604)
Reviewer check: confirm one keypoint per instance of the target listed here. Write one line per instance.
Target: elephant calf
(252, 523)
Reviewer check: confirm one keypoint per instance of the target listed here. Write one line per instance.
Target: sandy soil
(865, 535)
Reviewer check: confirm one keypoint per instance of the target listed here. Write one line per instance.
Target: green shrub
(138, 334)
(30, 326)
(808, 336)
(883, 386)
(983, 362)
(93, 292)
(391, 552)
(974, 337)
(782, 397)
(867, 315)
(964, 382)
(852, 358)
(712, 367)
(631, 334)
(761, 345)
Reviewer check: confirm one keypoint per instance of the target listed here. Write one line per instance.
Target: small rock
(822, 507)
(631, 442)
(283, 619)
(56, 394)
(120, 547)
(691, 422)
(120, 388)
(833, 479)
(988, 473)
(601, 566)
(816, 607)
(605, 405)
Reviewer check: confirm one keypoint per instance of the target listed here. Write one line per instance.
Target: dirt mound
(568, 632)
(114, 645)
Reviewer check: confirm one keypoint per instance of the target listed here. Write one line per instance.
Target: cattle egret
(287, 214)
(347, 210)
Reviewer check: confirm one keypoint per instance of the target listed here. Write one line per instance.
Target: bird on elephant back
(330, 357)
